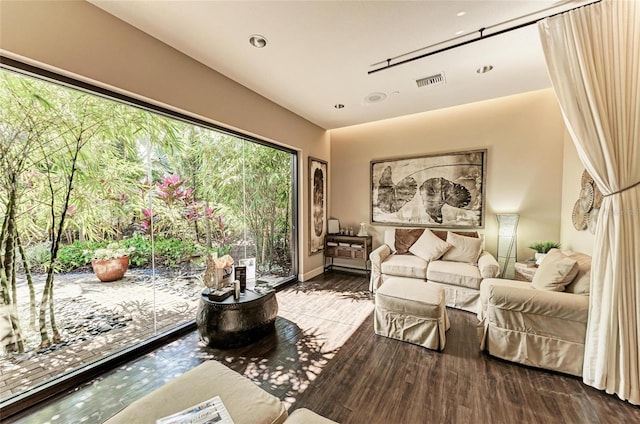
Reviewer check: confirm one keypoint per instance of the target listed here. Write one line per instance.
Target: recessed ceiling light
(339, 106)
(375, 98)
(459, 32)
(257, 41)
(461, 13)
(484, 69)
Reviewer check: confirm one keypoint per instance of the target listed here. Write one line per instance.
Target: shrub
(76, 255)
(171, 252)
(38, 255)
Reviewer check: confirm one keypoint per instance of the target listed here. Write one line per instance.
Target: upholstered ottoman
(412, 311)
(246, 402)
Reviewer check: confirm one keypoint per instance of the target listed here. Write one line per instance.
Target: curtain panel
(593, 57)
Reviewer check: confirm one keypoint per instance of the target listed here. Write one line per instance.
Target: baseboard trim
(311, 274)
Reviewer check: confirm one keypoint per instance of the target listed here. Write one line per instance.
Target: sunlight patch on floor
(326, 320)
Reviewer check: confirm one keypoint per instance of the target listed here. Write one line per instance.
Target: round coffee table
(232, 323)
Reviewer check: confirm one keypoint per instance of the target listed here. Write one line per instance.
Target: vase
(539, 257)
(110, 269)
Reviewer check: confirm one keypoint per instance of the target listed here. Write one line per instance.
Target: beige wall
(524, 136)
(570, 238)
(80, 40)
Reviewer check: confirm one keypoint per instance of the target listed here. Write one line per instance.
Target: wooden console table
(356, 248)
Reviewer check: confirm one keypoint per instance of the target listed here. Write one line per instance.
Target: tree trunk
(52, 316)
(44, 335)
(207, 228)
(263, 254)
(32, 292)
(9, 246)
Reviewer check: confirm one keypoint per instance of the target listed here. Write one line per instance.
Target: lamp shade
(507, 224)
(507, 230)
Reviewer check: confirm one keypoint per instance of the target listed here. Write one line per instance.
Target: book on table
(209, 411)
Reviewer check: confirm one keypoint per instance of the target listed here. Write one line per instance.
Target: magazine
(209, 411)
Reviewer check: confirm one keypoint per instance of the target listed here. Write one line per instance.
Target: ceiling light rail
(461, 34)
(464, 43)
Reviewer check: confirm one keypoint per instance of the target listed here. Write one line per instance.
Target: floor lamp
(507, 231)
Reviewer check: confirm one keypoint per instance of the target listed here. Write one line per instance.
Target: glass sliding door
(86, 180)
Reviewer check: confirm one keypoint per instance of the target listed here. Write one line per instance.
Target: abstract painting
(443, 190)
(317, 204)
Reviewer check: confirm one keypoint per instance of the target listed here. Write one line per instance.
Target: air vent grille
(432, 80)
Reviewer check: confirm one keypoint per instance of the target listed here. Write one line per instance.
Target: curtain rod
(464, 43)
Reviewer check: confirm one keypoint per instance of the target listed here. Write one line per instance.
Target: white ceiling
(319, 53)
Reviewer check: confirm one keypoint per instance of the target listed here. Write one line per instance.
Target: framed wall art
(443, 190)
(317, 204)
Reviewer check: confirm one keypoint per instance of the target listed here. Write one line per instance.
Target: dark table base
(230, 323)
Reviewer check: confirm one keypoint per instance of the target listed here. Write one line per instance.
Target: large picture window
(85, 179)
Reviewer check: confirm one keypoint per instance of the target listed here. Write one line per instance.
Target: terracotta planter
(110, 269)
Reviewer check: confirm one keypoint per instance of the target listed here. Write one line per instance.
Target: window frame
(66, 381)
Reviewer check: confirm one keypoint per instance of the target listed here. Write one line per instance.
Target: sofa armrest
(377, 257)
(380, 254)
(488, 265)
(527, 300)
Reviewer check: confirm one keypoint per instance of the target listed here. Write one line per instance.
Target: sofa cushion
(405, 266)
(405, 239)
(411, 298)
(581, 284)
(245, 401)
(555, 272)
(463, 249)
(429, 246)
(454, 273)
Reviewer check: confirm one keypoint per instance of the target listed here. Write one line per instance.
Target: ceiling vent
(432, 80)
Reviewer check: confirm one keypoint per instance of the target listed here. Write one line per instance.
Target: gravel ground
(86, 307)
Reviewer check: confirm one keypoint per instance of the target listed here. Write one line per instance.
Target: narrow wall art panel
(444, 190)
(317, 204)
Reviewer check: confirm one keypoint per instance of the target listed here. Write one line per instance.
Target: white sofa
(543, 323)
(460, 279)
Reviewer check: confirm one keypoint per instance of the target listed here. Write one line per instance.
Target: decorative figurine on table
(217, 275)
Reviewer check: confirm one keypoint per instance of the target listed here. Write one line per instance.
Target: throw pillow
(443, 234)
(582, 283)
(463, 249)
(555, 272)
(429, 246)
(405, 239)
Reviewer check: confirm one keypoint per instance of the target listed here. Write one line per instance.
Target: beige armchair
(540, 327)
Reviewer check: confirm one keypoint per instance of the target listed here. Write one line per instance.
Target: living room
(533, 167)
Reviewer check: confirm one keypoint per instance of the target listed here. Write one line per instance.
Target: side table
(524, 271)
(233, 323)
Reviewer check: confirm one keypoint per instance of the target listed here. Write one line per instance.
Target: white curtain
(593, 57)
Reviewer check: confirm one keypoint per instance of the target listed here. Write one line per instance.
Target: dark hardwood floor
(324, 356)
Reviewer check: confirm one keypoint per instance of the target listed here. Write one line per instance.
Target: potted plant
(542, 248)
(111, 263)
